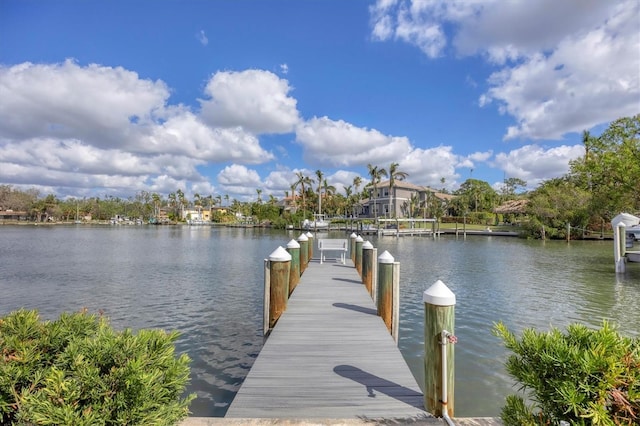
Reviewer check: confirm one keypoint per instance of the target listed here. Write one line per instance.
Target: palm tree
(394, 174)
(329, 190)
(357, 181)
(181, 200)
(259, 191)
(349, 199)
(197, 202)
(376, 174)
(226, 198)
(302, 181)
(320, 175)
(156, 204)
(173, 203)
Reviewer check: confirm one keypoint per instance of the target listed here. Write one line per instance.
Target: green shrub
(77, 370)
(584, 377)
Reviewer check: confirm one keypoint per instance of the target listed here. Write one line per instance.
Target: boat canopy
(626, 218)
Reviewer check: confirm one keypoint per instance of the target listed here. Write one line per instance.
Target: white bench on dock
(333, 244)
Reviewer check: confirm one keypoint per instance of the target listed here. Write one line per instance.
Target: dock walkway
(329, 356)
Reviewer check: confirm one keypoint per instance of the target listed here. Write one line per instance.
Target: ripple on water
(207, 284)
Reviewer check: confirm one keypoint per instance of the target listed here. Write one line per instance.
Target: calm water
(207, 283)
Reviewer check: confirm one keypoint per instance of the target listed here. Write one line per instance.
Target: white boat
(319, 222)
(196, 222)
(633, 232)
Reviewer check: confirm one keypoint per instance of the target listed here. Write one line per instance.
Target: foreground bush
(584, 377)
(77, 370)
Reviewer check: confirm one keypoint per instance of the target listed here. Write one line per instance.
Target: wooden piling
(620, 247)
(293, 247)
(303, 240)
(310, 246)
(267, 298)
(395, 297)
(358, 262)
(439, 308)
(367, 265)
(352, 247)
(279, 269)
(374, 278)
(385, 288)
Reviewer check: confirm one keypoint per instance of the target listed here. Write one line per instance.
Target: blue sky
(225, 97)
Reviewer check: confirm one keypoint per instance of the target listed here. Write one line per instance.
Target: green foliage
(585, 377)
(554, 204)
(475, 195)
(610, 168)
(77, 370)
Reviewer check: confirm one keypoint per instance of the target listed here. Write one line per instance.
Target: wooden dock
(330, 356)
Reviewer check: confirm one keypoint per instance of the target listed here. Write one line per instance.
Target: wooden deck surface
(329, 356)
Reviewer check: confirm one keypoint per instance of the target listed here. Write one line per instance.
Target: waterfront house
(404, 200)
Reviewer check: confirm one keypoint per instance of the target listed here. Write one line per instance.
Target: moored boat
(319, 222)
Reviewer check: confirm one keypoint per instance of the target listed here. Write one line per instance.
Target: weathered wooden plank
(329, 356)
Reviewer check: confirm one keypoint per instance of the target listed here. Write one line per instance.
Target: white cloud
(186, 135)
(240, 180)
(107, 130)
(410, 22)
(533, 163)
(428, 166)
(564, 66)
(93, 103)
(570, 91)
(255, 100)
(342, 179)
(332, 143)
(481, 156)
(506, 31)
(202, 38)
(284, 68)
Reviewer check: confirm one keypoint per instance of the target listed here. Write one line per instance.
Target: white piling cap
(439, 295)
(303, 237)
(293, 244)
(280, 255)
(385, 257)
(309, 234)
(367, 246)
(359, 239)
(353, 235)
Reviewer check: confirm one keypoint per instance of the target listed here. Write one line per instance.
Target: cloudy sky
(224, 97)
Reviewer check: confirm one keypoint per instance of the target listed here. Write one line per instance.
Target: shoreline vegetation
(502, 230)
(598, 186)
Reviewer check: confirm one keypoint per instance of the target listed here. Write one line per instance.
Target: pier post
(352, 247)
(439, 321)
(293, 247)
(374, 277)
(279, 267)
(266, 298)
(385, 288)
(304, 252)
(310, 246)
(367, 265)
(395, 291)
(358, 262)
(620, 247)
